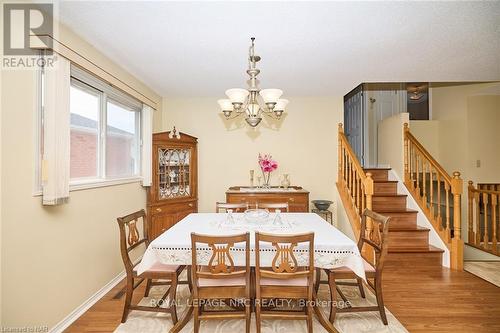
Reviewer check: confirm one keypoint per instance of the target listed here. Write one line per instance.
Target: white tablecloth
(331, 247)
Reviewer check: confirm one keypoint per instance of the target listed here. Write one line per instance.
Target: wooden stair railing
(484, 217)
(354, 185)
(437, 193)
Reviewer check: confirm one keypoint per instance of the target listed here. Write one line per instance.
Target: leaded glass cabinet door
(174, 172)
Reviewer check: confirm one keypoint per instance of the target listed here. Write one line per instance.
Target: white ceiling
(308, 49)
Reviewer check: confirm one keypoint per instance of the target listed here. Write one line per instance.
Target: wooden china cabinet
(174, 190)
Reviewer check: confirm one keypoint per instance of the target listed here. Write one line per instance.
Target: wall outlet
(478, 163)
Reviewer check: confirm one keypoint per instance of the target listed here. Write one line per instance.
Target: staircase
(437, 194)
(408, 243)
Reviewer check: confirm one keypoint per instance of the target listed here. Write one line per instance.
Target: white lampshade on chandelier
(253, 102)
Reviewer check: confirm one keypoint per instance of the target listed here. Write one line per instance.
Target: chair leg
(196, 319)
(318, 279)
(148, 287)
(333, 297)
(257, 314)
(172, 300)
(309, 319)
(128, 298)
(380, 300)
(248, 315)
(360, 286)
(189, 280)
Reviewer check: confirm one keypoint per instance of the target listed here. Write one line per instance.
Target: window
(105, 131)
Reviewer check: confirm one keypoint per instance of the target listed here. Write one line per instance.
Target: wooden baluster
(413, 168)
(357, 192)
(340, 152)
(447, 228)
(345, 167)
(406, 154)
(457, 244)
(439, 218)
(485, 221)
(417, 176)
(471, 238)
(363, 197)
(350, 176)
(494, 203)
(478, 218)
(424, 184)
(431, 189)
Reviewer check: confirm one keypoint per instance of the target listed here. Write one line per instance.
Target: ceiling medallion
(253, 102)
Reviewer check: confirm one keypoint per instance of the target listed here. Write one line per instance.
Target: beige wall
(305, 145)
(427, 133)
(483, 117)
(53, 258)
(468, 116)
(390, 142)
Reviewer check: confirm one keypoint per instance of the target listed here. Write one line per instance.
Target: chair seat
(158, 267)
(368, 268)
(295, 282)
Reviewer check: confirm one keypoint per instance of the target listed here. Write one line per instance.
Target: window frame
(88, 82)
(108, 93)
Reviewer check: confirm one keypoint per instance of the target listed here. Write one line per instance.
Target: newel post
(406, 129)
(457, 244)
(369, 205)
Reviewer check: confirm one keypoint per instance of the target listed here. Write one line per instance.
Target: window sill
(89, 184)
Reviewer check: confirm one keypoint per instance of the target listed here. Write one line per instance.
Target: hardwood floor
(423, 298)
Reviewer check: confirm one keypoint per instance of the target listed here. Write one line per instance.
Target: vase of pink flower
(267, 166)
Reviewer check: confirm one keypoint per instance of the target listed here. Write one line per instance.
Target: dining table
(332, 248)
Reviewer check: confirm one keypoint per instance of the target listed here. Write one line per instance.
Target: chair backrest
(375, 237)
(236, 207)
(273, 206)
(130, 235)
(284, 264)
(221, 263)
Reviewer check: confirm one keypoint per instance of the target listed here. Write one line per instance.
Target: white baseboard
(76, 313)
(73, 316)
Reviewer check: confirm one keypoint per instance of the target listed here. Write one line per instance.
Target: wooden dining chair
(132, 236)
(273, 206)
(220, 279)
(377, 240)
(285, 278)
(221, 207)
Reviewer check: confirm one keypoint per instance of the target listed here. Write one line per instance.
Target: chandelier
(253, 102)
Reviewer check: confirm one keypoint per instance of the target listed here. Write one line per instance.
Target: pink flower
(266, 163)
(267, 169)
